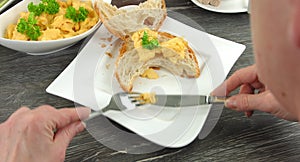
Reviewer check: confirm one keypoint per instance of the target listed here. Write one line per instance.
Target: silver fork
(119, 102)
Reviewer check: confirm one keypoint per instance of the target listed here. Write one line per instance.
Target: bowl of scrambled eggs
(40, 27)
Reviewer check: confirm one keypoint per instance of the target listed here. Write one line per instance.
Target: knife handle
(216, 99)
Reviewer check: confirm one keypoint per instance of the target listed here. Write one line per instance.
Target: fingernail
(231, 103)
(83, 112)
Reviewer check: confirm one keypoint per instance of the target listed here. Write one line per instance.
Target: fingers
(60, 118)
(247, 89)
(246, 75)
(247, 102)
(66, 121)
(68, 124)
(248, 81)
(64, 135)
(265, 102)
(70, 115)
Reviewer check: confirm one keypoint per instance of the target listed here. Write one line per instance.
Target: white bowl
(35, 47)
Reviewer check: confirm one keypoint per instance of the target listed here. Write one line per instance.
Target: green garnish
(52, 6)
(149, 44)
(48, 6)
(76, 15)
(29, 27)
(36, 9)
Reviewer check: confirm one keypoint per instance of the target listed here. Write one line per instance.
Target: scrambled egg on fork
(146, 98)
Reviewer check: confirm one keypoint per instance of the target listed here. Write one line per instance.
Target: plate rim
(215, 9)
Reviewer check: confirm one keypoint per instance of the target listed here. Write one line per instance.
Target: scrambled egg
(177, 44)
(57, 26)
(150, 74)
(174, 48)
(146, 98)
(137, 37)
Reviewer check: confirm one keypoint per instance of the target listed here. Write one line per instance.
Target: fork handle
(93, 115)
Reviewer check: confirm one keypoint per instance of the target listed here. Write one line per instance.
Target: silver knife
(187, 100)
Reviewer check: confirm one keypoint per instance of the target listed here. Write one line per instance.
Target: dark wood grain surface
(262, 137)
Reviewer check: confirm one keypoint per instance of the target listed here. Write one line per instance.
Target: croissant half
(132, 63)
(123, 22)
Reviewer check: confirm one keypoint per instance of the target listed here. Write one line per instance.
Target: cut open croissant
(122, 22)
(138, 53)
(133, 62)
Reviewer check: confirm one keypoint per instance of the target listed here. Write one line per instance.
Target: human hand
(41, 134)
(247, 100)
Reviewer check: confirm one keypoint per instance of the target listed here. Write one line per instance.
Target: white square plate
(90, 81)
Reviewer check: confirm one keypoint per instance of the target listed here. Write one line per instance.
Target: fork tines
(136, 98)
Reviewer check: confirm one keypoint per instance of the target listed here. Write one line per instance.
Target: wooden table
(262, 137)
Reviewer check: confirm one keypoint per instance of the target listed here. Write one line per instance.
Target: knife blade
(187, 100)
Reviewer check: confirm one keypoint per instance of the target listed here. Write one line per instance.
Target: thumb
(64, 135)
(246, 102)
